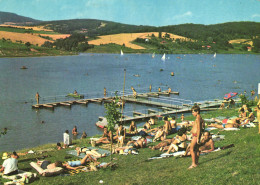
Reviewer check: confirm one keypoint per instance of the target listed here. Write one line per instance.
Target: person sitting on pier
(167, 126)
(169, 90)
(75, 92)
(120, 134)
(159, 89)
(106, 137)
(133, 128)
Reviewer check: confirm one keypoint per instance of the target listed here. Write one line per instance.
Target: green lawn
(237, 165)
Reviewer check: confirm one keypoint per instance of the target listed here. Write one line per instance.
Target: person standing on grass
(257, 109)
(196, 134)
(66, 139)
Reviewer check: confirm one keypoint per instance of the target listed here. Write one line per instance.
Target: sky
(138, 12)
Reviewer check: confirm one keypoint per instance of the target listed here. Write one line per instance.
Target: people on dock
(196, 134)
(66, 139)
(75, 131)
(105, 92)
(159, 89)
(169, 90)
(150, 88)
(75, 92)
(37, 97)
(9, 166)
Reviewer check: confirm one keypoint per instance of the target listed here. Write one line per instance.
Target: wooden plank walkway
(167, 108)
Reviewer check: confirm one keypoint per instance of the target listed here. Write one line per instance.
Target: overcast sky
(138, 12)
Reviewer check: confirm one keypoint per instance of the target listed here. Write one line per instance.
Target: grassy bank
(237, 165)
(10, 49)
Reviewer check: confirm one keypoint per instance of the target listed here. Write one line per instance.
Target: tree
(28, 44)
(160, 34)
(113, 117)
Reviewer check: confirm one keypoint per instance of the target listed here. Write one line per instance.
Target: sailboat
(122, 53)
(153, 55)
(163, 57)
(215, 55)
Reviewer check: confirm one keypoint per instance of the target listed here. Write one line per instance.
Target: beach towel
(165, 155)
(231, 129)
(210, 128)
(217, 137)
(82, 155)
(22, 177)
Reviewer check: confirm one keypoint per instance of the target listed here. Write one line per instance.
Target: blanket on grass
(22, 177)
(82, 155)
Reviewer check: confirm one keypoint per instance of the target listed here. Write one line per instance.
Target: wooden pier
(149, 99)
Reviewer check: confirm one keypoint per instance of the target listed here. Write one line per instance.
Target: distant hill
(93, 27)
(14, 18)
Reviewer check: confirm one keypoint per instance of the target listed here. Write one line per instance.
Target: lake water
(197, 78)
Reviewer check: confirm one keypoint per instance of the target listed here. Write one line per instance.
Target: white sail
(153, 55)
(122, 52)
(163, 57)
(215, 55)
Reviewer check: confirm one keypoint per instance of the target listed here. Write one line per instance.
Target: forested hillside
(14, 18)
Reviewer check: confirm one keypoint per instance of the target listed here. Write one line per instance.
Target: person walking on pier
(37, 97)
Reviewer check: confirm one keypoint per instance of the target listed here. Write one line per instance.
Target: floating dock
(165, 105)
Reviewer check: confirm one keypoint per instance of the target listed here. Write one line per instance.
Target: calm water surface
(197, 78)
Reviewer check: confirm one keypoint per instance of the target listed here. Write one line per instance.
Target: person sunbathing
(178, 143)
(133, 128)
(162, 144)
(206, 145)
(140, 143)
(167, 126)
(151, 121)
(48, 165)
(160, 135)
(148, 125)
(92, 152)
(73, 165)
(106, 137)
(230, 123)
(120, 135)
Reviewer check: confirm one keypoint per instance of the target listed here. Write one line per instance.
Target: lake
(196, 77)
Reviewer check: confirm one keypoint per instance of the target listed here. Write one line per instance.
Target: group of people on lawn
(200, 141)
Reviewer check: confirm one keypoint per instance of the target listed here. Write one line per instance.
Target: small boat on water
(23, 67)
(75, 95)
(136, 75)
(163, 57)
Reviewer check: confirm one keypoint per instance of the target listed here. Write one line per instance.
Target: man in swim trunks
(231, 123)
(196, 134)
